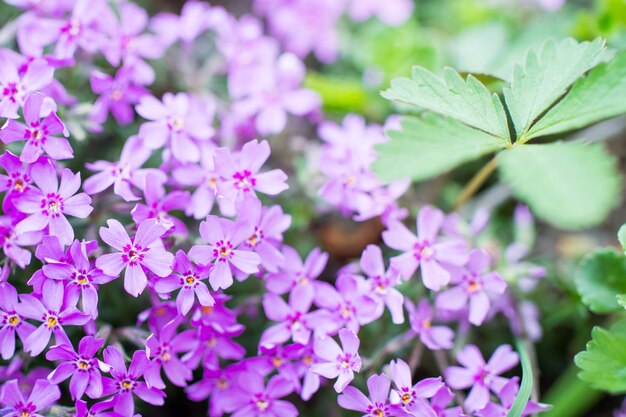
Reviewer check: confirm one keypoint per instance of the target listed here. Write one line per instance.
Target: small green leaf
(600, 95)
(466, 100)
(571, 185)
(603, 363)
(527, 382)
(621, 236)
(600, 277)
(546, 76)
(430, 145)
(621, 300)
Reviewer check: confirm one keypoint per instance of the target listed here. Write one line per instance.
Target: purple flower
(475, 283)
(433, 337)
(158, 203)
(440, 401)
(96, 410)
(49, 204)
(240, 175)
(295, 273)
(11, 321)
(53, 313)
(179, 120)
(393, 12)
(189, 280)
(340, 363)
(376, 405)
(12, 242)
(15, 86)
(254, 399)
(44, 394)
(163, 349)
(117, 95)
(123, 174)
(17, 180)
(145, 249)
(507, 396)
(479, 375)
(83, 367)
(269, 225)
(279, 93)
(80, 277)
(382, 283)
(125, 382)
(38, 133)
(412, 398)
(426, 250)
(292, 318)
(224, 238)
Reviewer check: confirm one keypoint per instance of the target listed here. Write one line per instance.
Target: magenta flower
(96, 410)
(254, 399)
(80, 276)
(421, 318)
(507, 396)
(475, 284)
(12, 323)
(269, 225)
(340, 363)
(163, 348)
(125, 382)
(382, 283)
(412, 398)
(224, 238)
(377, 405)
(426, 250)
(189, 280)
(479, 375)
(240, 173)
(440, 402)
(117, 95)
(293, 318)
(15, 85)
(179, 120)
(83, 367)
(277, 94)
(12, 242)
(294, 272)
(44, 394)
(53, 314)
(49, 204)
(158, 204)
(123, 174)
(17, 180)
(38, 133)
(145, 249)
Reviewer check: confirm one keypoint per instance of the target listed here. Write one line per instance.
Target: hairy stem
(475, 183)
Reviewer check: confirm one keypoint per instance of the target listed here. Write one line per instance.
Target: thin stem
(416, 355)
(475, 183)
(394, 344)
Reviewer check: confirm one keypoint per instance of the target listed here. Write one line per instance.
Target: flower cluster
(188, 210)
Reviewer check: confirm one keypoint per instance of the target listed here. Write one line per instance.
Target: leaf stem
(475, 183)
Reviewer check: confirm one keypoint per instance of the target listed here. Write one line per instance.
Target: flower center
(222, 383)
(83, 365)
(117, 95)
(244, 180)
(127, 384)
(277, 362)
(427, 252)
(51, 322)
(25, 413)
(474, 286)
(378, 413)
(190, 280)
(207, 310)
(19, 185)
(262, 405)
(178, 123)
(426, 324)
(223, 250)
(406, 398)
(14, 320)
(166, 356)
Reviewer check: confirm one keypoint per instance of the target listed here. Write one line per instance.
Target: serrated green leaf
(546, 77)
(600, 277)
(517, 409)
(571, 185)
(430, 145)
(603, 363)
(466, 100)
(601, 95)
(621, 236)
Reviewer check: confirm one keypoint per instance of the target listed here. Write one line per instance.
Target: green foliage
(621, 236)
(572, 185)
(430, 145)
(600, 278)
(603, 363)
(598, 96)
(466, 100)
(527, 381)
(546, 76)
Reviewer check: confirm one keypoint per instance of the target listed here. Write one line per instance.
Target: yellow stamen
(52, 321)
